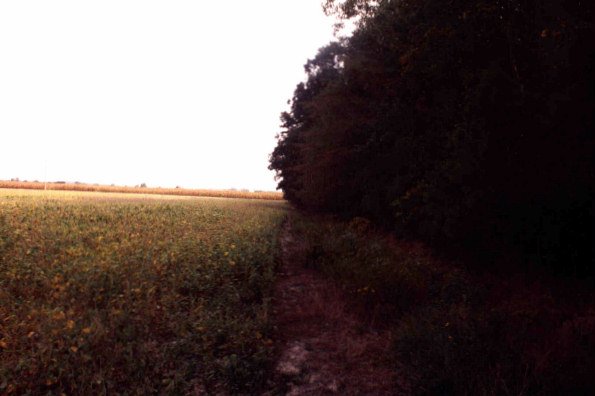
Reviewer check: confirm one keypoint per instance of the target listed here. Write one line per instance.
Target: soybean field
(106, 293)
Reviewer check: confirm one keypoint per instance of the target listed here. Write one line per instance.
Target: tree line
(466, 124)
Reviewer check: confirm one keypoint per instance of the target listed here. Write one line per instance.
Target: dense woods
(465, 124)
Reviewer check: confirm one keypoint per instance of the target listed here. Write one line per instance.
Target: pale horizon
(169, 94)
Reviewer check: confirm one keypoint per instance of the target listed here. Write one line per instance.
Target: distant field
(141, 190)
(119, 293)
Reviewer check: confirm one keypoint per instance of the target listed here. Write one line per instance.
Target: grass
(454, 332)
(127, 294)
(60, 186)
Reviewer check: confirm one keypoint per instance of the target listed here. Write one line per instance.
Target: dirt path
(324, 348)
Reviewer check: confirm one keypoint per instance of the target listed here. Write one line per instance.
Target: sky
(167, 93)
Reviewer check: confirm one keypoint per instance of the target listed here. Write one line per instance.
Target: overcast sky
(167, 93)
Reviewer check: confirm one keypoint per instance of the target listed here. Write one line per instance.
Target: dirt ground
(324, 348)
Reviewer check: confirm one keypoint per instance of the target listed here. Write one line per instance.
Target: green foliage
(467, 124)
(116, 294)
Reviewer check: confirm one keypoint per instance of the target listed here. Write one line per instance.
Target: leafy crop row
(134, 295)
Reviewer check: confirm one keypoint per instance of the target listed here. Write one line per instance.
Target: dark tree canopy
(467, 124)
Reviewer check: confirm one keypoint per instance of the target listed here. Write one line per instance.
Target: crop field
(62, 186)
(127, 294)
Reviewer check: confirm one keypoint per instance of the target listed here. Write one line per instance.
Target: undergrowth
(457, 333)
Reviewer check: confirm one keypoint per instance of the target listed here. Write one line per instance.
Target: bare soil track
(324, 348)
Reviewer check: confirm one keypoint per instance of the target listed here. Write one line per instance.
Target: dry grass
(141, 190)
